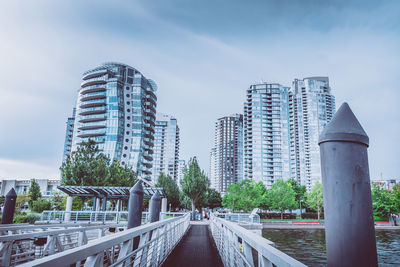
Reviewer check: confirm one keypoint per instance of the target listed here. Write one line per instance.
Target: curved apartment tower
(116, 107)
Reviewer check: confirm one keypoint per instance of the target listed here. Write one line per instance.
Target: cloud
(203, 57)
(16, 169)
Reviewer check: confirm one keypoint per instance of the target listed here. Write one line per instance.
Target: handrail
(23, 247)
(241, 217)
(89, 216)
(25, 227)
(236, 245)
(156, 242)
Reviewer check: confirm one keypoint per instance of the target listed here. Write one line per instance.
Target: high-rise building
(227, 157)
(68, 135)
(266, 133)
(181, 171)
(311, 107)
(166, 147)
(116, 107)
(212, 176)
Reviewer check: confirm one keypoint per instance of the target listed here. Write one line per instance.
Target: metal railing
(241, 217)
(24, 228)
(89, 216)
(240, 247)
(41, 241)
(145, 245)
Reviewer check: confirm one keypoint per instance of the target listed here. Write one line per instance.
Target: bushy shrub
(26, 218)
(41, 205)
(312, 215)
(274, 215)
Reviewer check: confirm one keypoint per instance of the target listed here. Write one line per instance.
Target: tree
(194, 183)
(86, 166)
(171, 189)
(282, 196)
(118, 175)
(245, 195)
(299, 190)
(57, 200)
(21, 201)
(231, 199)
(383, 201)
(214, 199)
(315, 199)
(34, 192)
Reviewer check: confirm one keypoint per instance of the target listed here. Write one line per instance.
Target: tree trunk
(193, 207)
(282, 215)
(318, 213)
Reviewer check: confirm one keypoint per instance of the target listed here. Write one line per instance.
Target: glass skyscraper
(311, 107)
(166, 147)
(266, 133)
(226, 158)
(116, 107)
(68, 135)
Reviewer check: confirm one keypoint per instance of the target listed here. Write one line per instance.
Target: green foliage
(77, 203)
(194, 183)
(21, 202)
(26, 218)
(57, 200)
(34, 192)
(87, 166)
(40, 205)
(171, 189)
(245, 195)
(384, 202)
(214, 199)
(315, 199)
(120, 176)
(299, 190)
(281, 196)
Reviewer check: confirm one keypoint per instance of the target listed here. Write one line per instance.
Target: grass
(380, 219)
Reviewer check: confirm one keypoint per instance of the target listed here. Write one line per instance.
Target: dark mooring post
(9, 207)
(155, 207)
(135, 205)
(349, 221)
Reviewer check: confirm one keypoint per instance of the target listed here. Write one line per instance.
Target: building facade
(68, 135)
(21, 186)
(181, 171)
(166, 147)
(116, 108)
(266, 133)
(311, 108)
(227, 156)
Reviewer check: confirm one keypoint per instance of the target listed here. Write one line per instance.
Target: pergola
(107, 192)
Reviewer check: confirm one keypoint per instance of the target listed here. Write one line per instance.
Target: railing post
(349, 220)
(135, 207)
(9, 207)
(155, 202)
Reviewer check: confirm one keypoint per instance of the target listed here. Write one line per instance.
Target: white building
(266, 133)
(47, 186)
(311, 108)
(166, 147)
(226, 158)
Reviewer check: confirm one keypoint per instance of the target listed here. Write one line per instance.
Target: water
(308, 246)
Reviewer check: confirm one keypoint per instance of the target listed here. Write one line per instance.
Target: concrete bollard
(135, 205)
(349, 220)
(155, 207)
(9, 207)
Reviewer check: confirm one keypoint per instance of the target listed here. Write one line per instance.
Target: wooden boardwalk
(197, 248)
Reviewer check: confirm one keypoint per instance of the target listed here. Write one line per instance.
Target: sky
(203, 55)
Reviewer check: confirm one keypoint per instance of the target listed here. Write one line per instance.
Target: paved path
(197, 248)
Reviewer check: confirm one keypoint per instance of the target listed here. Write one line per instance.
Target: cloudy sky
(203, 55)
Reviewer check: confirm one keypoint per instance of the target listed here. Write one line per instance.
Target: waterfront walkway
(197, 248)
